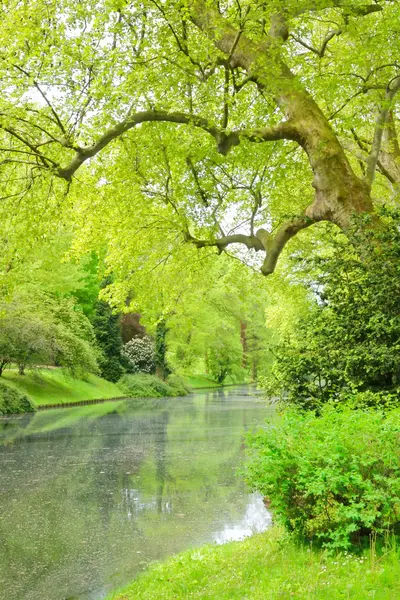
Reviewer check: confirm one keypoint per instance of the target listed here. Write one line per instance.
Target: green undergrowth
(143, 385)
(269, 566)
(13, 401)
(54, 386)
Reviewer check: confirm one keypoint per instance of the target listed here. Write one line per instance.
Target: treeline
(65, 313)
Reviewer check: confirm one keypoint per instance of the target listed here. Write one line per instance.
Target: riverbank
(54, 387)
(268, 566)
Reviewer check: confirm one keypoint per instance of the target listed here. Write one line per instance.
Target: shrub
(12, 401)
(143, 385)
(178, 385)
(334, 478)
(140, 354)
(111, 369)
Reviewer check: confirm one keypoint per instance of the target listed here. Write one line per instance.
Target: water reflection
(89, 496)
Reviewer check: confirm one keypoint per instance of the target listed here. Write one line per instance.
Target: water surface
(90, 495)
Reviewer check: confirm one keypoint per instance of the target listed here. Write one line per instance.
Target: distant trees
(45, 330)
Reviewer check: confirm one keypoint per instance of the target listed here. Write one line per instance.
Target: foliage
(224, 354)
(144, 385)
(162, 366)
(268, 566)
(140, 354)
(12, 401)
(188, 168)
(332, 478)
(178, 384)
(42, 329)
(106, 325)
(349, 340)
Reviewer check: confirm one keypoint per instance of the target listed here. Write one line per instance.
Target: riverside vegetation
(157, 161)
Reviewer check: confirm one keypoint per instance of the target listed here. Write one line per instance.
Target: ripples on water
(90, 495)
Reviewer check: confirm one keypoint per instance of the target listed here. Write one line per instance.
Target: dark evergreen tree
(107, 328)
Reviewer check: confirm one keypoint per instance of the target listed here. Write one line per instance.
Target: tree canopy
(154, 125)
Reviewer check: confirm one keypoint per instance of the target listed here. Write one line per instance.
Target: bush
(111, 369)
(140, 354)
(12, 401)
(143, 385)
(333, 478)
(178, 385)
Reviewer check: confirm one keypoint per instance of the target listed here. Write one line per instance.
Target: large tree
(213, 123)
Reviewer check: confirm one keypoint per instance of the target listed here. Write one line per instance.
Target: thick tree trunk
(3, 364)
(339, 193)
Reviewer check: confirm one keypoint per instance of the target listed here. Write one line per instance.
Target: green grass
(203, 381)
(268, 566)
(54, 386)
(200, 381)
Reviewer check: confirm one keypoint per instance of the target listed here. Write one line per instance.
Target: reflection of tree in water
(105, 493)
(160, 451)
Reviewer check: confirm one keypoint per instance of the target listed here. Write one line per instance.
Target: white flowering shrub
(140, 355)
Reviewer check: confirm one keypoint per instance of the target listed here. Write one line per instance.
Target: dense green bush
(349, 341)
(178, 385)
(333, 478)
(107, 329)
(144, 385)
(12, 401)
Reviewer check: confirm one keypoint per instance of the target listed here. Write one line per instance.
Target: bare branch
(250, 241)
(321, 51)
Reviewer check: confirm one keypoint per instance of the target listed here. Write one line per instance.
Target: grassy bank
(205, 381)
(54, 386)
(267, 566)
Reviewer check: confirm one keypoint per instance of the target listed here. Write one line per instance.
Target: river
(90, 495)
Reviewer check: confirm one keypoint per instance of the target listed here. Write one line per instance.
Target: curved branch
(263, 241)
(83, 154)
(383, 117)
(250, 241)
(318, 51)
(275, 244)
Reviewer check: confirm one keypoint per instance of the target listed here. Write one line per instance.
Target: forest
(206, 194)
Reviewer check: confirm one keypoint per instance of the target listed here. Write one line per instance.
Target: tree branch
(264, 241)
(321, 51)
(275, 244)
(250, 241)
(83, 154)
(392, 89)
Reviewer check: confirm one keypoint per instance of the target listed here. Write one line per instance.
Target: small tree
(39, 329)
(162, 366)
(224, 354)
(107, 329)
(140, 355)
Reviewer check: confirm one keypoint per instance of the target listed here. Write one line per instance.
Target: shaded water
(90, 495)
